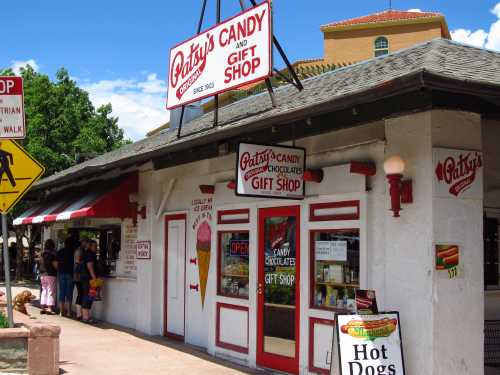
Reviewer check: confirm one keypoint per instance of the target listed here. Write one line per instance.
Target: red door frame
(169, 218)
(274, 361)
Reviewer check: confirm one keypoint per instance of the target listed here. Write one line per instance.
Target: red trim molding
(227, 345)
(242, 211)
(312, 322)
(314, 215)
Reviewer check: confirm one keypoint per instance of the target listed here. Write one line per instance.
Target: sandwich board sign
(231, 54)
(369, 344)
(18, 172)
(12, 123)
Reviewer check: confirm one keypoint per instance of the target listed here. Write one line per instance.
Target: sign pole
(7, 269)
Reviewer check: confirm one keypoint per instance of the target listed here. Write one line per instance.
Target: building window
(491, 252)
(233, 264)
(334, 269)
(381, 46)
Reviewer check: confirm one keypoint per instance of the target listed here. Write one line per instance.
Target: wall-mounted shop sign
(458, 173)
(270, 171)
(369, 344)
(229, 55)
(12, 123)
(143, 250)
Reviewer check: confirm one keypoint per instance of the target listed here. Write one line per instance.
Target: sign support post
(5, 235)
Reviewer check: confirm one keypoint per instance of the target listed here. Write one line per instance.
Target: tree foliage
(62, 123)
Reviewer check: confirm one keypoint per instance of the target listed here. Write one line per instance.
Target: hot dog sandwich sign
(370, 344)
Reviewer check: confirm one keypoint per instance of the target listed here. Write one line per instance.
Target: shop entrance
(175, 261)
(278, 289)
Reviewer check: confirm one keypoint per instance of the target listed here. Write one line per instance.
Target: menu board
(128, 251)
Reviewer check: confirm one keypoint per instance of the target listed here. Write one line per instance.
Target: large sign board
(369, 344)
(18, 171)
(12, 124)
(458, 173)
(270, 171)
(231, 54)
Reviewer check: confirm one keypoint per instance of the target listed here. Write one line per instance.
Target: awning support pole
(5, 234)
(198, 30)
(166, 195)
(216, 97)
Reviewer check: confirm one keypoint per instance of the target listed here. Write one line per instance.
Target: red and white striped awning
(108, 201)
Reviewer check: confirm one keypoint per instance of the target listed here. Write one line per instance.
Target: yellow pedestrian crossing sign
(18, 171)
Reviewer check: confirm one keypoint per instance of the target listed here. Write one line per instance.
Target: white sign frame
(208, 77)
(146, 249)
(457, 185)
(396, 349)
(8, 100)
(243, 189)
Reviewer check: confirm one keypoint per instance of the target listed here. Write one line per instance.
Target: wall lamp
(399, 190)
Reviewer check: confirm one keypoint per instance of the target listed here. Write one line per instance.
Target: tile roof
(440, 57)
(385, 16)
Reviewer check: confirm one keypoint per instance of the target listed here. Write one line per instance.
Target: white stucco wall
(398, 253)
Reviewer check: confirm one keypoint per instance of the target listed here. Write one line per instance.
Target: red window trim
(226, 345)
(219, 260)
(312, 259)
(220, 216)
(167, 218)
(314, 206)
(312, 322)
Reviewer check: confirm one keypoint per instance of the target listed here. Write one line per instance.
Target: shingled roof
(456, 63)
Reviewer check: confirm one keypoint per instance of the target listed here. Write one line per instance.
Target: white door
(175, 238)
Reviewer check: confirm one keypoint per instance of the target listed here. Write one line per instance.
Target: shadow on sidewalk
(181, 347)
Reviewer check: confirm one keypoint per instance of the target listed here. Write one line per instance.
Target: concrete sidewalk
(105, 349)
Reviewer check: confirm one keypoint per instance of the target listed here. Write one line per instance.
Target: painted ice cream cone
(203, 242)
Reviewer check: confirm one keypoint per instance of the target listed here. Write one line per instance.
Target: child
(96, 289)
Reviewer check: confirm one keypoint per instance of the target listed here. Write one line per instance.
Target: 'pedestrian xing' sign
(12, 123)
(18, 171)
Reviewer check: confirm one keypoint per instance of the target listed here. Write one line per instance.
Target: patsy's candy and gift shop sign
(458, 173)
(229, 55)
(370, 344)
(270, 171)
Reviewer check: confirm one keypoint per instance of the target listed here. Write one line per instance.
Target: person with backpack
(48, 272)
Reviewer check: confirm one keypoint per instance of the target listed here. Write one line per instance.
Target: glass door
(278, 288)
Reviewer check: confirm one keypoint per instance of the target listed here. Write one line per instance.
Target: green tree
(62, 126)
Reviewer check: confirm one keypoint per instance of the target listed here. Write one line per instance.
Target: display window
(334, 269)
(233, 263)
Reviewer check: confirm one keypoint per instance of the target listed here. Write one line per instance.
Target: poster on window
(270, 171)
(369, 344)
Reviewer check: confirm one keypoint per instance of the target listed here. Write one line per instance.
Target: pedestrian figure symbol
(6, 160)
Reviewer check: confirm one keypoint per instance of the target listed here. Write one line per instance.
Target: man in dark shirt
(65, 261)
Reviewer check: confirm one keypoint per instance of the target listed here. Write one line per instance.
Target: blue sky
(118, 50)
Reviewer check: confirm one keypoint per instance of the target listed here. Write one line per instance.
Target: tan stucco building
(361, 38)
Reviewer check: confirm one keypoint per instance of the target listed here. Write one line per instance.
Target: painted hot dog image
(370, 329)
(447, 256)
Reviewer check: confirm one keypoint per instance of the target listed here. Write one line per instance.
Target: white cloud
(18, 64)
(417, 10)
(480, 38)
(139, 104)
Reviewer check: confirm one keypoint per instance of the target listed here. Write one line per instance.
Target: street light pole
(7, 270)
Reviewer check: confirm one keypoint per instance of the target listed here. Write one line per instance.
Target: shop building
(210, 271)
